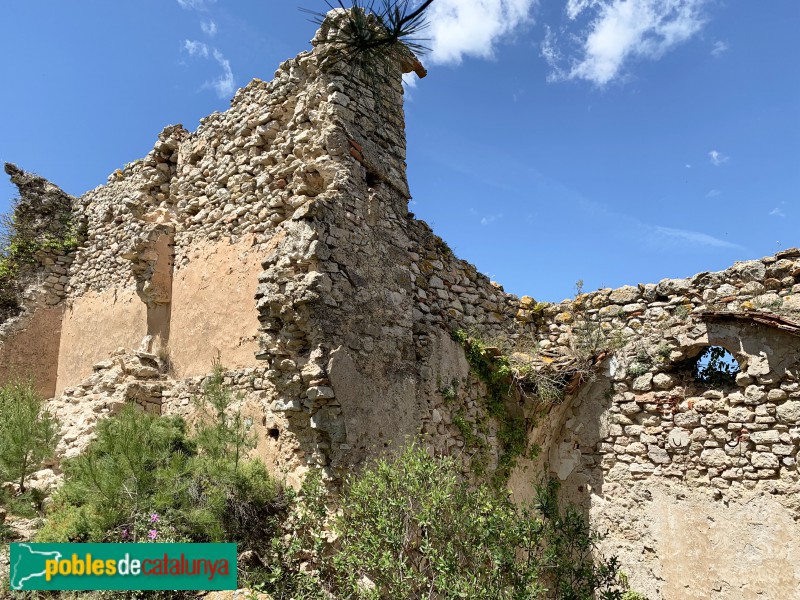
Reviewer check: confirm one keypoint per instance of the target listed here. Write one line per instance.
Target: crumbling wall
(33, 286)
(333, 301)
(695, 484)
(277, 238)
(355, 298)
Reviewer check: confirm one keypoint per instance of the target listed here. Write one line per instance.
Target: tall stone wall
(277, 238)
(31, 296)
(695, 483)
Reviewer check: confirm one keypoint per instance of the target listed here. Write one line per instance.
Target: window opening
(715, 366)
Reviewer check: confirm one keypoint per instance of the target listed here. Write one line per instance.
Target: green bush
(130, 468)
(227, 497)
(144, 478)
(411, 528)
(222, 431)
(65, 522)
(28, 432)
(220, 502)
(296, 558)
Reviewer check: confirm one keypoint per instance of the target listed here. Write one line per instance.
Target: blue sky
(613, 141)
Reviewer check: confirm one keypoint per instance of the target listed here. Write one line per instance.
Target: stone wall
(696, 484)
(276, 238)
(31, 297)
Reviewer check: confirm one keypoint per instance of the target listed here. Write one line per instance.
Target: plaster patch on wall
(95, 325)
(213, 310)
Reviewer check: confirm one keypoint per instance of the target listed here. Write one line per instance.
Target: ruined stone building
(277, 237)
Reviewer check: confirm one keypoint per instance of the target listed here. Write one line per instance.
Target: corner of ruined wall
(44, 217)
(334, 324)
(687, 478)
(358, 299)
(180, 242)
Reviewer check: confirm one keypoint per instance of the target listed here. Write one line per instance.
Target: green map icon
(137, 566)
(28, 564)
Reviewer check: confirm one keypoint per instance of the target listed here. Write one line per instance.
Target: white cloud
(718, 158)
(713, 193)
(576, 7)
(460, 28)
(688, 166)
(552, 55)
(195, 48)
(409, 83)
(693, 237)
(195, 4)
(209, 28)
(489, 219)
(777, 212)
(719, 49)
(225, 84)
(621, 31)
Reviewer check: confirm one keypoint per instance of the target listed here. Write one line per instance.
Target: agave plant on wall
(379, 32)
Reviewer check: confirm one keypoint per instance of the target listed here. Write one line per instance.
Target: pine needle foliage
(28, 432)
(222, 430)
(132, 467)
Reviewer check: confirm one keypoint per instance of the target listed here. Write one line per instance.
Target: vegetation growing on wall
(375, 37)
(20, 245)
(495, 371)
(377, 32)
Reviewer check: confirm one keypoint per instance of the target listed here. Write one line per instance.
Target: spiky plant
(378, 33)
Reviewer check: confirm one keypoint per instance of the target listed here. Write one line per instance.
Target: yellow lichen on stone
(565, 317)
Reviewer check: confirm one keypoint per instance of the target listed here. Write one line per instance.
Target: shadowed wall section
(33, 352)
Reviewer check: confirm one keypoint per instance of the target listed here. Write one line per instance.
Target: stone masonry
(276, 238)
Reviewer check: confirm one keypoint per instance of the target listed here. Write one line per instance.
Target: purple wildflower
(152, 534)
(154, 518)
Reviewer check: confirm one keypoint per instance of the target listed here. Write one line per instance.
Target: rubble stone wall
(276, 238)
(696, 484)
(31, 308)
